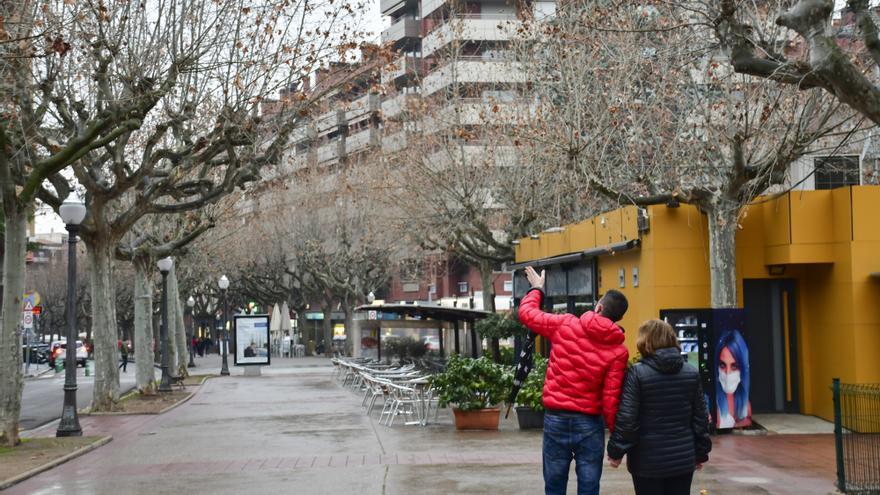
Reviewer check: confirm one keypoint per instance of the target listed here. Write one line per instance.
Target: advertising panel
(251, 344)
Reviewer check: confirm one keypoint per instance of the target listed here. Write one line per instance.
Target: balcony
(394, 142)
(327, 122)
(330, 151)
(403, 28)
(394, 106)
(473, 70)
(471, 27)
(479, 112)
(361, 140)
(429, 6)
(407, 64)
(391, 7)
(362, 106)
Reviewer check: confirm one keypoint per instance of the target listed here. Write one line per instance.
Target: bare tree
(815, 50)
(205, 134)
(648, 114)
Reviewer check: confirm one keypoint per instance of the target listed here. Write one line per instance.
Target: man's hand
(536, 280)
(615, 463)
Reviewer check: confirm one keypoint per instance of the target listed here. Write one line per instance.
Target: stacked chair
(404, 389)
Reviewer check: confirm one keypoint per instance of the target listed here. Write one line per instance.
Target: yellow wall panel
(680, 227)
(556, 242)
(866, 213)
(751, 226)
(629, 223)
(799, 253)
(583, 235)
(811, 217)
(841, 207)
(608, 228)
(867, 343)
(777, 225)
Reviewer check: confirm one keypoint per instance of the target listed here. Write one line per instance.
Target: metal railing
(857, 436)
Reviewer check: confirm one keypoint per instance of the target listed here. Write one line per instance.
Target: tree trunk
(327, 325)
(15, 245)
(489, 304)
(143, 326)
(722, 253)
(106, 389)
(349, 327)
(176, 330)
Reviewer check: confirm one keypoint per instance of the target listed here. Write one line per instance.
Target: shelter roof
(433, 311)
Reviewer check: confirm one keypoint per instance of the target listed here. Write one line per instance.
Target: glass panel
(520, 284)
(555, 280)
(580, 280)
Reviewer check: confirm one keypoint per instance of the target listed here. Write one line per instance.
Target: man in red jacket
(583, 384)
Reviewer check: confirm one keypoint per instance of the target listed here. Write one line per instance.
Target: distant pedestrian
(584, 377)
(123, 350)
(662, 423)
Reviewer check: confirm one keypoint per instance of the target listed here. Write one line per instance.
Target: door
(771, 331)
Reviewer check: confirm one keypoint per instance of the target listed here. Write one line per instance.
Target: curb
(122, 413)
(37, 375)
(61, 460)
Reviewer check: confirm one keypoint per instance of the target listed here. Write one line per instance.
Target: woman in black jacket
(662, 424)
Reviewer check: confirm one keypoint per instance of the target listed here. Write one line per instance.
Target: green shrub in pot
(472, 384)
(531, 393)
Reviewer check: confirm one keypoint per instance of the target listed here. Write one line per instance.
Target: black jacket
(662, 424)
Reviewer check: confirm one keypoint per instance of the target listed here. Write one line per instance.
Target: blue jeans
(568, 435)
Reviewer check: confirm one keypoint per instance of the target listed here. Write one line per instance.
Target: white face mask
(729, 381)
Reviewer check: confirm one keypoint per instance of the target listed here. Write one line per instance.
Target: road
(43, 396)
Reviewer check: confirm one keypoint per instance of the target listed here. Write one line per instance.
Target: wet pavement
(296, 430)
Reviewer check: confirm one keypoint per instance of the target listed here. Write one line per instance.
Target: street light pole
(191, 303)
(165, 265)
(73, 212)
(224, 284)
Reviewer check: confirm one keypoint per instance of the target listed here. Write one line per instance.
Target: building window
(508, 286)
(836, 171)
(462, 287)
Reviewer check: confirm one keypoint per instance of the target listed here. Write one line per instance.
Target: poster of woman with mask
(732, 381)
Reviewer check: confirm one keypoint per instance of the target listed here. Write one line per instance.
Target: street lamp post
(165, 265)
(224, 284)
(191, 303)
(73, 212)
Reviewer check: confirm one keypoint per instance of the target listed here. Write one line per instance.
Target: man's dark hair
(614, 305)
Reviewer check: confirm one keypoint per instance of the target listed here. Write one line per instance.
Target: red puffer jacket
(587, 359)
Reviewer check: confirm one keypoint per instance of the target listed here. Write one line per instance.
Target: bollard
(88, 368)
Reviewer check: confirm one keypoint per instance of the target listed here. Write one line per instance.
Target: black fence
(857, 436)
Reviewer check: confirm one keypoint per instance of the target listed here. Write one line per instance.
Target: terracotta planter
(479, 419)
(529, 419)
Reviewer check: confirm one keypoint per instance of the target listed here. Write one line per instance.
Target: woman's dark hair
(614, 305)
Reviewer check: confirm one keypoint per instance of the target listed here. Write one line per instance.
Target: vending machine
(714, 341)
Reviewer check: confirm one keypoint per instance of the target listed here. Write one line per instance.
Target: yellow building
(808, 277)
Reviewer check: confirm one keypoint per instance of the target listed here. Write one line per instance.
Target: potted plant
(530, 408)
(474, 387)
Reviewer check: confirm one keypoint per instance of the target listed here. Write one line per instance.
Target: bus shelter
(430, 323)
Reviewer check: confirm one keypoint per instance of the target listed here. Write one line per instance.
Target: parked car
(60, 352)
(39, 352)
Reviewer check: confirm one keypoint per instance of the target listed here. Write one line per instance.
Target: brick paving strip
(338, 461)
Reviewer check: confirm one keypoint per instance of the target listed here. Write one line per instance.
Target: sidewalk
(296, 430)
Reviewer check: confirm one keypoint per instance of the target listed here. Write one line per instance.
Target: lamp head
(165, 264)
(371, 297)
(191, 301)
(72, 211)
(223, 283)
